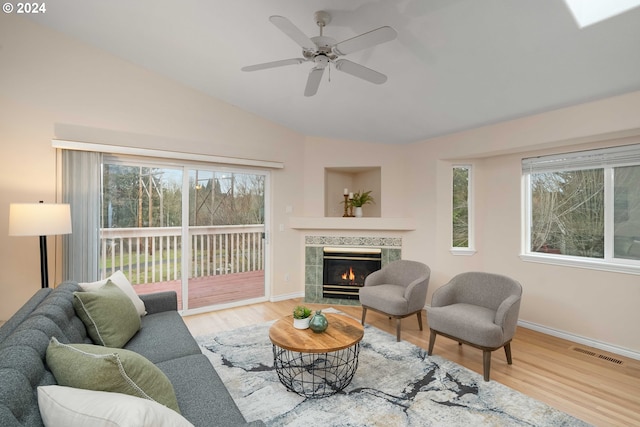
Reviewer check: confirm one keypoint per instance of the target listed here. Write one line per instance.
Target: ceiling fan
(323, 50)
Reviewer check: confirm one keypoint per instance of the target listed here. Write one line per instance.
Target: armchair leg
(364, 314)
(419, 319)
(507, 352)
(486, 363)
(432, 341)
(398, 329)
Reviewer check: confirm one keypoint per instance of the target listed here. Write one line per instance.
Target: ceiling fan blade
(366, 40)
(292, 31)
(360, 71)
(313, 82)
(273, 64)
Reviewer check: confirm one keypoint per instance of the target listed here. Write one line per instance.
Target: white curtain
(81, 181)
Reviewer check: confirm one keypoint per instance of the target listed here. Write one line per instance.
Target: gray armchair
(399, 290)
(478, 309)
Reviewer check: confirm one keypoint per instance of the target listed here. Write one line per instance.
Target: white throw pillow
(69, 407)
(121, 281)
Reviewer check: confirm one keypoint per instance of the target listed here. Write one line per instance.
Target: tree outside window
(583, 208)
(567, 213)
(460, 196)
(626, 214)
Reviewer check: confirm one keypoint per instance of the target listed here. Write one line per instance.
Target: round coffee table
(316, 364)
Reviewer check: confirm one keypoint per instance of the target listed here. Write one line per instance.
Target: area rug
(396, 384)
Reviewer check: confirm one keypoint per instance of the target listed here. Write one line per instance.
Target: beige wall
(321, 153)
(416, 182)
(598, 305)
(55, 87)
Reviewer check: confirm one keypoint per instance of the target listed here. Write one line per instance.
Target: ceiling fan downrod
(322, 19)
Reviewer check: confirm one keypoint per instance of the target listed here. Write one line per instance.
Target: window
(584, 208)
(591, 12)
(197, 229)
(462, 236)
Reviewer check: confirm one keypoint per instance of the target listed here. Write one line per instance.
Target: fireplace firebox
(344, 270)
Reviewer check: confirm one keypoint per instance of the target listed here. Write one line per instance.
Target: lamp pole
(44, 271)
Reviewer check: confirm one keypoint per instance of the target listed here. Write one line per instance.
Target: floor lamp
(40, 219)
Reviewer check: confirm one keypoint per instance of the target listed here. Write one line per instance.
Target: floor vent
(583, 351)
(610, 359)
(599, 356)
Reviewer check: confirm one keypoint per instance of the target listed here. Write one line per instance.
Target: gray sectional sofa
(163, 339)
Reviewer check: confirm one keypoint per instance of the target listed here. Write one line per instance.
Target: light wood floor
(598, 387)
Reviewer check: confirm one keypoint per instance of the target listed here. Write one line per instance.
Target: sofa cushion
(163, 336)
(100, 368)
(109, 315)
(73, 407)
(202, 395)
(121, 281)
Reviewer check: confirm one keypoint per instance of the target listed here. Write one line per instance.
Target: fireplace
(344, 270)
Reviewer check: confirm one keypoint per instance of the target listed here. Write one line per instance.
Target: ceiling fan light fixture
(321, 61)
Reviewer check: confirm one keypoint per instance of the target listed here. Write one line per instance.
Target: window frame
(185, 166)
(470, 248)
(608, 262)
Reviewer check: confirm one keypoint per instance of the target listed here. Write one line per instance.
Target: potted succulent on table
(301, 317)
(360, 199)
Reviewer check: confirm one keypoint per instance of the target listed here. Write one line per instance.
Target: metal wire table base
(316, 375)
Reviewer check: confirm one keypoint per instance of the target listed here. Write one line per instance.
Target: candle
(351, 195)
(346, 191)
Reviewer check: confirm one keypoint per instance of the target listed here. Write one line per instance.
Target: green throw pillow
(109, 315)
(93, 367)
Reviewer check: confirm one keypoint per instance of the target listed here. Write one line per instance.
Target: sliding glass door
(197, 231)
(226, 237)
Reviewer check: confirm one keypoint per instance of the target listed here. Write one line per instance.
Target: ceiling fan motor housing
(324, 46)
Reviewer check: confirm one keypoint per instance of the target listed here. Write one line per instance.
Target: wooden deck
(212, 290)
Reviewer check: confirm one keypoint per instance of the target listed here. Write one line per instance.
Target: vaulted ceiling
(455, 64)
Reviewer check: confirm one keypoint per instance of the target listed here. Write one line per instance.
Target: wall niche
(363, 178)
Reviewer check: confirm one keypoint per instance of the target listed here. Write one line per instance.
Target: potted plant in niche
(360, 199)
(301, 317)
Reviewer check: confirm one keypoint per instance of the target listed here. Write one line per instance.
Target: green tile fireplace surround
(391, 248)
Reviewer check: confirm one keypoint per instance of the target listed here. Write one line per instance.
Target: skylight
(588, 12)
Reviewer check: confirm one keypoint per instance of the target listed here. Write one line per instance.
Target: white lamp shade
(39, 219)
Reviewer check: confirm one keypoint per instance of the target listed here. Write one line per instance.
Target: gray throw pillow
(109, 315)
(93, 367)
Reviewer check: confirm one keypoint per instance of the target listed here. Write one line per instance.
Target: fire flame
(348, 275)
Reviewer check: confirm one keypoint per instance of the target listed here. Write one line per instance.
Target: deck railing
(154, 254)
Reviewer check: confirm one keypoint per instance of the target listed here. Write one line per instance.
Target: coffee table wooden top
(342, 332)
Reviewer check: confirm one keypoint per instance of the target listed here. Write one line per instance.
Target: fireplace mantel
(339, 223)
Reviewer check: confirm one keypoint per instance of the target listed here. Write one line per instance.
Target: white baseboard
(536, 327)
(287, 296)
(581, 340)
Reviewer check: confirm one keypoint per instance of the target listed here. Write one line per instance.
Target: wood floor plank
(545, 368)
